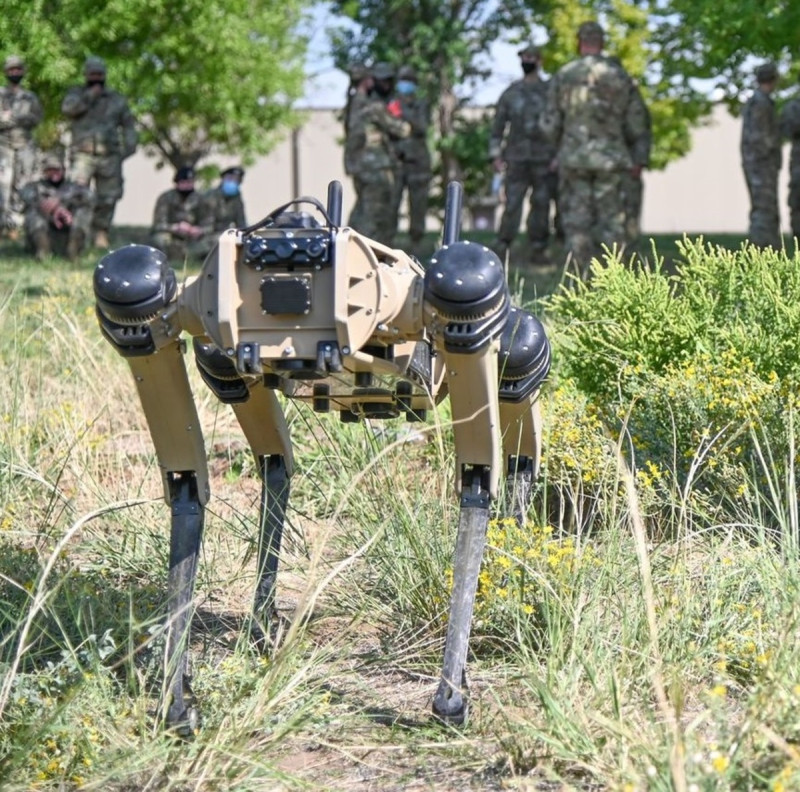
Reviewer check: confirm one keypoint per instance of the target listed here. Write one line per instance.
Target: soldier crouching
(57, 213)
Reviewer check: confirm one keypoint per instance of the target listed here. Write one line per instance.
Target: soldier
(761, 159)
(20, 113)
(593, 118)
(632, 184)
(789, 127)
(527, 157)
(373, 129)
(357, 96)
(103, 135)
(58, 212)
(223, 206)
(180, 219)
(414, 170)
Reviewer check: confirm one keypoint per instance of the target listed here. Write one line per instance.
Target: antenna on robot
(452, 212)
(335, 203)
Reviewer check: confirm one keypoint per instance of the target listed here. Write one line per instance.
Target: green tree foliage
(719, 41)
(638, 34)
(199, 74)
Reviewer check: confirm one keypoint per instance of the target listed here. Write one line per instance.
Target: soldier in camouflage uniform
(181, 220)
(357, 97)
(374, 127)
(223, 207)
(789, 127)
(58, 212)
(761, 159)
(632, 184)
(592, 116)
(20, 113)
(528, 157)
(414, 171)
(103, 134)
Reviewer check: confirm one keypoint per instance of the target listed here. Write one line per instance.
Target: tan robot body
(326, 316)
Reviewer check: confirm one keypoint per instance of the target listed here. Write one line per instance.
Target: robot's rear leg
(274, 499)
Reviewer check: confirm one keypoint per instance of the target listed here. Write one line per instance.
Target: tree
(217, 74)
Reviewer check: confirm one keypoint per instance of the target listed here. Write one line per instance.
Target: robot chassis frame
(325, 315)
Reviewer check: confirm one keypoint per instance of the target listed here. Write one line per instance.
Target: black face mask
(92, 83)
(14, 79)
(55, 182)
(529, 66)
(184, 193)
(382, 87)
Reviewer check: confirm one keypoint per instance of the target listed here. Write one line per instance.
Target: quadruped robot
(318, 312)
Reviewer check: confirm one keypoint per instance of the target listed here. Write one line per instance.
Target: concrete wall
(703, 192)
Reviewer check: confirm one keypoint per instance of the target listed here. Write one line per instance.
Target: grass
(605, 655)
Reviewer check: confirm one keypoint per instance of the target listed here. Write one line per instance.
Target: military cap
(383, 71)
(590, 30)
(52, 160)
(94, 64)
(766, 72)
(530, 52)
(13, 62)
(407, 73)
(358, 71)
(184, 173)
(234, 170)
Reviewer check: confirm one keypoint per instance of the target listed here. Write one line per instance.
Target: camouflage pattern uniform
(352, 149)
(761, 161)
(592, 116)
(220, 212)
(174, 207)
(414, 170)
(528, 155)
(373, 131)
(20, 113)
(632, 184)
(789, 125)
(103, 134)
(41, 233)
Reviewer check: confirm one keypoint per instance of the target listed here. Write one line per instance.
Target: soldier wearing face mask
(518, 147)
(58, 212)
(223, 206)
(104, 134)
(20, 113)
(414, 168)
(181, 220)
(374, 127)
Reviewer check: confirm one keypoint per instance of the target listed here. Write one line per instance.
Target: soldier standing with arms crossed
(527, 158)
(593, 118)
(20, 113)
(103, 135)
(761, 159)
(414, 174)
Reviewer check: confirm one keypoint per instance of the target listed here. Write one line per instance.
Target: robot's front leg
(468, 302)
(136, 291)
(496, 357)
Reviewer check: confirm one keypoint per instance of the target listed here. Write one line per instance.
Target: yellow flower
(720, 763)
(718, 691)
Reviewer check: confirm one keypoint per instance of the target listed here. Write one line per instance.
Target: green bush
(696, 370)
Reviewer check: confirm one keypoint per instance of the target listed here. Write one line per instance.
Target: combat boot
(75, 245)
(41, 245)
(101, 240)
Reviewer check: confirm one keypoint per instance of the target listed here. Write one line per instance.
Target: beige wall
(704, 191)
